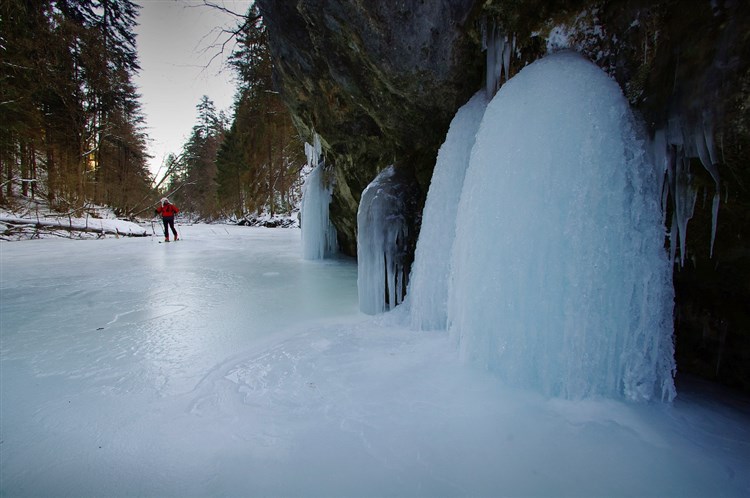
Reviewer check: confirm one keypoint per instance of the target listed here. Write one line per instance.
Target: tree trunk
(10, 159)
(24, 151)
(32, 169)
(270, 176)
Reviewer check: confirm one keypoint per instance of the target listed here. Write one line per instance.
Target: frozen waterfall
(318, 233)
(559, 280)
(384, 240)
(428, 289)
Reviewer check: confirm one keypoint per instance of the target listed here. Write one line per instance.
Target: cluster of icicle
(318, 233)
(498, 48)
(673, 147)
(382, 232)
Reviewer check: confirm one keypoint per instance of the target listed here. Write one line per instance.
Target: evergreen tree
(198, 163)
(258, 163)
(70, 115)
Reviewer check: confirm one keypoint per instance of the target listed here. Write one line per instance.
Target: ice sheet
(228, 366)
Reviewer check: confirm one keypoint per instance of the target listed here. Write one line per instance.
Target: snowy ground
(225, 365)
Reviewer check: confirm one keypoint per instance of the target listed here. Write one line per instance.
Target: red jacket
(167, 210)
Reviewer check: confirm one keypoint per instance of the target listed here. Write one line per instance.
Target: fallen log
(112, 227)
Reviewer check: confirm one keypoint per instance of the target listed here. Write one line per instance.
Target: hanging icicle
(319, 238)
(673, 147)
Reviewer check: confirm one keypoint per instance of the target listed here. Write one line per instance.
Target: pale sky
(175, 39)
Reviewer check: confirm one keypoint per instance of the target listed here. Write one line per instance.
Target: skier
(168, 211)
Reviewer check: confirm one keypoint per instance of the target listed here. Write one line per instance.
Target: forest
(73, 134)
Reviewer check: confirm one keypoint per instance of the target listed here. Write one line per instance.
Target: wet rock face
(379, 81)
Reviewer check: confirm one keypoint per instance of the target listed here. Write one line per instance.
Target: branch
(180, 187)
(167, 195)
(232, 33)
(17, 66)
(17, 181)
(213, 5)
(169, 171)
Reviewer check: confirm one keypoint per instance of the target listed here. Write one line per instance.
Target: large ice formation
(428, 288)
(559, 277)
(318, 233)
(384, 234)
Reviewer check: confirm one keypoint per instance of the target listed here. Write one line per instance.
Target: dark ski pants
(169, 223)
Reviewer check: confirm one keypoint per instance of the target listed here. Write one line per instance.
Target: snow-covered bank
(34, 220)
(92, 225)
(225, 365)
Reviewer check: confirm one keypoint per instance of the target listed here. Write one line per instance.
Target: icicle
(714, 220)
(385, 210)
(489, 44)
(498, 53)
(310, 154)
(659, 158)
(313, 151)
(685, 196)
(319, 238)
(675, 134)
(704, 149)
(712, 167)
(699, 139)
(506, 59)
(708, 133)
(484, 35)
(681, 141)
(673, 239)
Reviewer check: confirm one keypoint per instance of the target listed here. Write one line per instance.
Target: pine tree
(258, 164)
(66, 97)
(198, 162)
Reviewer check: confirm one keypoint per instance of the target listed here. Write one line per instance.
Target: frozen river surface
(225, 365)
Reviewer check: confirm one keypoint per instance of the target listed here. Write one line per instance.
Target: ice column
(386, 210)
(428, 288)
(560, 281)
(318, 233)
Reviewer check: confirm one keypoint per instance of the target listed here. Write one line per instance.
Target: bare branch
(231, 34)
(17, 66)
(179, 188)
(222, 8)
